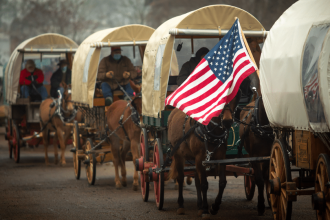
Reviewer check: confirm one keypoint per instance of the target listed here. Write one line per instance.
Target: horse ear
(136, 88)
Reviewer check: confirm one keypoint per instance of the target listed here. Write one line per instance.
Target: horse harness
(134, 115)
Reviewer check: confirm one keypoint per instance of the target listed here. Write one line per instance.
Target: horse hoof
(200, 213)
(206, 216)
(180, 211)
(124, 184)
(118, 186)
(135, 187)
(213, 212)
(261, 212)
(189, 180)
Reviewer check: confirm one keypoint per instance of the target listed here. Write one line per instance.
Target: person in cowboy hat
(112, 69)
(31, 82)
(60, 79)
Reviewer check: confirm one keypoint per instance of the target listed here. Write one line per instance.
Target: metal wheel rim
(16, 146)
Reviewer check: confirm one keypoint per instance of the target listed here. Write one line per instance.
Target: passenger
(188, 67)
(31, 81)
(60, 79)
(112, 68)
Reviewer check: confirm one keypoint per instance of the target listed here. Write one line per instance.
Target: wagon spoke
(319, 178)
(283, 201)
(273, 174)
(283, 191)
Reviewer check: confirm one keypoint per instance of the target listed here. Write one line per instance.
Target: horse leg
(115, 143)
(222, 185)
(189, 180)
(199, 195)
(123, 153)
(60, 137)
(45, 140)
(260, 184)
(55, 147)
(201, 172)
(135, 153)
(179, 166)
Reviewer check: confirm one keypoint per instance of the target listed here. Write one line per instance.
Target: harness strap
(121, 123)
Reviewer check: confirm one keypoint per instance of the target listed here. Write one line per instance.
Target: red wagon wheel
(8, 137)
(279, 175)
(77, 146)
(90, 163)
(16, 142)
(159, 184)
(249, 186)
(145, 154)
(321, 198)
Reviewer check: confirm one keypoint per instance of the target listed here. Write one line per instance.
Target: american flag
(312, 85)
(216, 79)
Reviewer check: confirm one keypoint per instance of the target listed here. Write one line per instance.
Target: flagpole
(248, 49)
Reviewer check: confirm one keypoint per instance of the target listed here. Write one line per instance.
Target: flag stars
(219, 52)
(216, 64)
(221, 63)
(224, 52)
(208, 57)
(215, 69)
(223, 58)
(227, 40)
(225, 46)
(218, 58)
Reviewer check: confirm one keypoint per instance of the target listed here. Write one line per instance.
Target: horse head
(137, 99)
(227, 114)
(66, 101)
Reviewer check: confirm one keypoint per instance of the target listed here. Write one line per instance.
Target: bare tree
(133, 11)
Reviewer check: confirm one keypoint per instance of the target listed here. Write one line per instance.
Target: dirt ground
(32, 190)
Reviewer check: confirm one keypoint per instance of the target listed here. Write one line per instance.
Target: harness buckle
(208, 155)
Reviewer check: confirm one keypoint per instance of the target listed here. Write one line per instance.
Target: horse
(118, 113)
(195, 147)
(51, 121)
(257, 142)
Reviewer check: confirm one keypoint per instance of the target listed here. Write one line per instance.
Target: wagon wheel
(321, 198)
(77, 146)
(249, 186)
(159, 185)
(279, 175)
(8, 135)
(145, 154)
(16, 142)
(90, 163)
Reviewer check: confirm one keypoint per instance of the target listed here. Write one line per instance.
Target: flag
(216, 79)
(312, 85)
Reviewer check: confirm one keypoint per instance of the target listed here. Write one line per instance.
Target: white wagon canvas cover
(295, 68)
(159, 57)
(43, 42)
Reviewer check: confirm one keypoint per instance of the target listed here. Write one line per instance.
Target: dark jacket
(56, 79)
(118, 67)
(187, 68)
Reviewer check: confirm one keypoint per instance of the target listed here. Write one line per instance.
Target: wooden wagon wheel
(279, 175)
(77, 146)
(144, 152)
(90, 163)
(321, 198)
(8, 135)
(159, 184)
(16, 142)
(249, 187)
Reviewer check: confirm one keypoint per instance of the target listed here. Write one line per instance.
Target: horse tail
(173, 174)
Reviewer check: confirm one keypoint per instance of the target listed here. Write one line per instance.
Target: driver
(60, 79)
(112, 68)
(32, 78)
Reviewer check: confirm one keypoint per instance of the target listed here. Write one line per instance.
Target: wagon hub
(275, 186)
(318, 201)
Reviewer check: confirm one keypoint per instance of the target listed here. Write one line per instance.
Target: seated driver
(112, 68)
(31, 80)
(60, 79)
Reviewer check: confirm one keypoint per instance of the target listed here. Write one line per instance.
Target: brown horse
(258, 143)
(53, 122)
(129, 134)
(194, 148)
